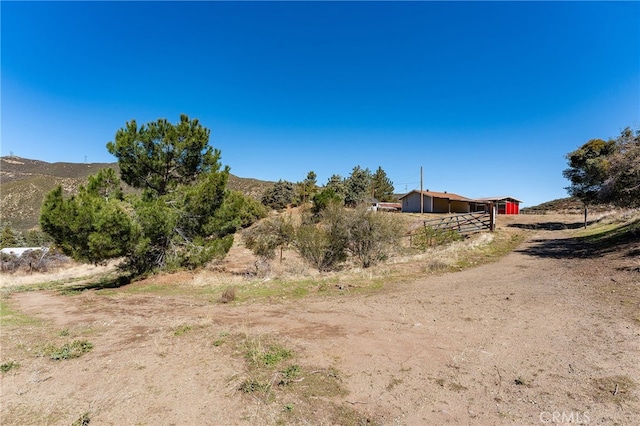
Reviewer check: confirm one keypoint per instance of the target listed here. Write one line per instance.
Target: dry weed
(229, 295)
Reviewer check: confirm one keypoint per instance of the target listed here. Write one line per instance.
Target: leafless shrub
(32, 261)
(437, 266)
(10, 263)
(264, 238)
(263, 267)
(229, 295)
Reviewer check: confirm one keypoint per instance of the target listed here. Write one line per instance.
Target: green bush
(199, 253)
(237, 212)
(323, 245)
(367, 236)
(371, 235)
(68, 350)
(324, 198)
(280, 195)
(8, 366)
(266, 237)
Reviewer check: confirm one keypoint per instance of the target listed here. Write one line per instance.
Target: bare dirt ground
(548, 334)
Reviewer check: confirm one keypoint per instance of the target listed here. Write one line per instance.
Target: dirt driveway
(547, 335)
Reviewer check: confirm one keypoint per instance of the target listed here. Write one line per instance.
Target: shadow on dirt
(624, 240)
(551, 226)
(101, 284)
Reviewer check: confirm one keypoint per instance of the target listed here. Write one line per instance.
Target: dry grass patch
(613, 388)
(286, 390)
(10, 317)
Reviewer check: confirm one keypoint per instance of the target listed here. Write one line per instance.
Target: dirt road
(546, 335)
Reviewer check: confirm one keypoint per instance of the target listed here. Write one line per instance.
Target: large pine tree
(177, 219)
(382, 187)
(357, 186)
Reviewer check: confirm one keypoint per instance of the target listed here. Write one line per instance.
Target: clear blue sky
(487, 97)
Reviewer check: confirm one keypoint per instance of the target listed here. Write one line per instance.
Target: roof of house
(503, 198)
(446, 195)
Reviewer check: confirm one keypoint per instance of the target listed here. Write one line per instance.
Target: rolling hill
(25, 182)
(565, 205)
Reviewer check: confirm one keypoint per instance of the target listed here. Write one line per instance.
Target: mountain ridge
(24, 183)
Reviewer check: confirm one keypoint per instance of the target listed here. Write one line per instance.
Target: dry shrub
(437, 266)
(296, 267)
(229, 295)
(263, 267)
(33, 261)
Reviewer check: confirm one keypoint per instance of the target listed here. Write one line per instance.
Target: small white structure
(375, 206)
(19, 251)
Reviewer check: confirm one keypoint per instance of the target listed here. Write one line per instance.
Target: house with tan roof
(448, 202)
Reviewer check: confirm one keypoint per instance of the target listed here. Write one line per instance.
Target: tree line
(361, 185)
(183, 215)
(326, 234)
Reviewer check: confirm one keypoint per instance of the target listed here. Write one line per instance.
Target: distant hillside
(248, 186)
(24, 184)
(564, 205)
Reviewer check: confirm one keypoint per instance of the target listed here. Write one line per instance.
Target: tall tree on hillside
(381, 185)
(357, 186)
(176, 222)
(159, 156)
(308, 187)
(183, 186)
(337, 184)
(588, 168)
(622, 184)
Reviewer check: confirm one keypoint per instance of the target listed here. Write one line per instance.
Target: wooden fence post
(492, 216)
